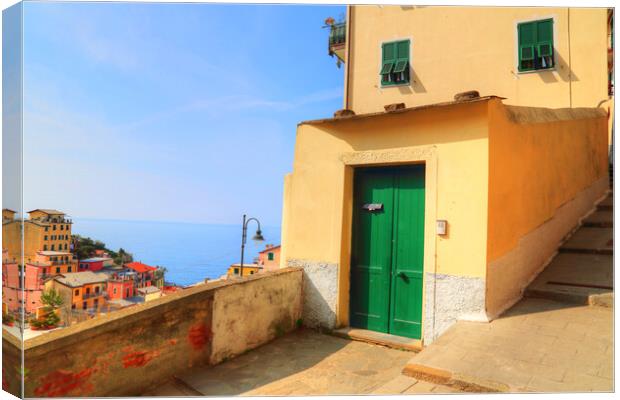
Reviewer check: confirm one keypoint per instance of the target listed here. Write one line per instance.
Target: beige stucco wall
(450, 140)
(546, 170)
(129, 351)
(454, 49)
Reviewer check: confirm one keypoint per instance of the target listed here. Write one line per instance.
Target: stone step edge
(601, 224)
(600, 300)
(461, 382)
(416, 347)
(606, 252)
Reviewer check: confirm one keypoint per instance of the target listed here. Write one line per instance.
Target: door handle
(401, 274)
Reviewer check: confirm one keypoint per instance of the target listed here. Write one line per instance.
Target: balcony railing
(94, 294)
(338, 34)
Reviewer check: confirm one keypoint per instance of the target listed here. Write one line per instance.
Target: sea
(190, 252)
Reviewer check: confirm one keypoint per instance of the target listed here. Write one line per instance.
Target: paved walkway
(302, 363)
(558, 339)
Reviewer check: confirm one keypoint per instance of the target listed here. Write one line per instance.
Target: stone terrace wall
(128, 351)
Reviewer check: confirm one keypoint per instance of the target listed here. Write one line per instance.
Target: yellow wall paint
(455, 49)
(453, 138)
(534, 168)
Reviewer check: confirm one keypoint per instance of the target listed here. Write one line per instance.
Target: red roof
(139, 267)
(272, 248)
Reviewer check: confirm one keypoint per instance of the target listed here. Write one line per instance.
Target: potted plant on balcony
(8, 319)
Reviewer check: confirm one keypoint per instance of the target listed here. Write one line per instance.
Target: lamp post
(258, 237)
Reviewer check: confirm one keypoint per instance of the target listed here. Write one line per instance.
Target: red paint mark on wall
(5, 382)
(137, 359)
(199, 335)
(62, 383)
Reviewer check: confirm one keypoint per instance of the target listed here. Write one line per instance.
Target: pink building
(269, 258)
(28, 298)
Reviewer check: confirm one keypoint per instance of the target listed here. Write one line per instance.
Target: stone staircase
(582, 272)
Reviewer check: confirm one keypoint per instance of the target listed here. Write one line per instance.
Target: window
(45, 237)
(270, 256)
(77, 292)
(87, 290)
(53, 227)
(535, 45)
(73, 306)
(114, 291)
(84, 305)
(62, 227)
(52, 247)
(67, 227)
(44, 247)
(65, 246)
(395, 63)
(69, 268)
(236, 271)
(127, 293)
(46, 228)
(96, 289)
(57, 270)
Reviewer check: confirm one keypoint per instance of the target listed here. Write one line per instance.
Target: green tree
(51, 299)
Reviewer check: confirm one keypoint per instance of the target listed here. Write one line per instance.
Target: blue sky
(174, 112)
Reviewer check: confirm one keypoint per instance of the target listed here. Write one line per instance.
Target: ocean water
(190, 252)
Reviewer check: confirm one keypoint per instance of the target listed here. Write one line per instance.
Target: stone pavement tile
(507, 373)
(396, 386)
(422, 387)
(589, 382)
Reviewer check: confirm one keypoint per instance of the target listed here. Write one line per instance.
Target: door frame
(426, 155)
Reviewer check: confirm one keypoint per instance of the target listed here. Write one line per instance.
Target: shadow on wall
(317, 312)
(562, 68)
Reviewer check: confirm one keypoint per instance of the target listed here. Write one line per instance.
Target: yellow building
(411, 217)
(248, 269)
(45, 230)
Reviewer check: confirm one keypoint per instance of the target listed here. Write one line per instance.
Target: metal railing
(338, 34)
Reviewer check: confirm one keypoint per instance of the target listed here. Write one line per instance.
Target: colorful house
(269, 258)
(22, 286)
(145, 274)
(149, 293)
(61, 262)
(121, 285)
(82, 290)
(45, 230)
(418, 206)
(248, 269)
(93, 264)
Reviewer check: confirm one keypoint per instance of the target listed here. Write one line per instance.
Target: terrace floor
(303, 362)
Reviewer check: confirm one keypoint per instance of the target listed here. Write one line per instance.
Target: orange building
(61, 262)
(83, 290)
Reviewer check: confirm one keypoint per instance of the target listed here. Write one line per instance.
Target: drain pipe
(347, 63)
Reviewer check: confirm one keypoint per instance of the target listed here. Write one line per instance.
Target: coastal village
(55, 287)
(449, 229)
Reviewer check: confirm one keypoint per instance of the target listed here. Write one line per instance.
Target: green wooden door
(388, 250)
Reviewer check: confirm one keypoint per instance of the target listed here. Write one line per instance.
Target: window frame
(536, 44)
(395, 61)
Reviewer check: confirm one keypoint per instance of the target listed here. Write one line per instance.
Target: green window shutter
(388, 60)
(535, 45)
(395, 63)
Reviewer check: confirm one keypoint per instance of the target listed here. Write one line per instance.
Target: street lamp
(258, 237)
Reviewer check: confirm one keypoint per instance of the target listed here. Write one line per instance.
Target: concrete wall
(454, 49)
(128, 351)
(546, 170)
(450, 140)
